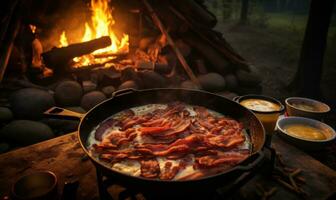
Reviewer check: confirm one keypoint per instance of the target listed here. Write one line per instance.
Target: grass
(287, 21)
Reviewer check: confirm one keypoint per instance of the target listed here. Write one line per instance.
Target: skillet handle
(257, 158)
(61, 113)
(123, 91)
(236, 99)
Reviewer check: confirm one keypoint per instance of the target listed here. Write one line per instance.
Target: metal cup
(267, 118)
(40, 185)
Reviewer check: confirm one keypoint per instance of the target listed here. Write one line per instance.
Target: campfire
(182, 50)
(100, 25)
(78, 54)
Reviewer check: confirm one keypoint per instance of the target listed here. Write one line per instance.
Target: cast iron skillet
(125, 99)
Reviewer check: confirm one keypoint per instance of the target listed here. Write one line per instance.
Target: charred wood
(60, 57)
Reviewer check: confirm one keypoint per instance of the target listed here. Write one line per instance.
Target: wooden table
(64, 156)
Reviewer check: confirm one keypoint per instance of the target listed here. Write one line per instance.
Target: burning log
(106, 55)
(60, 57)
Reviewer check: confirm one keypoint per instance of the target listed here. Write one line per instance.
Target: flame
(101, 25)
(32, 28)
(63, 40)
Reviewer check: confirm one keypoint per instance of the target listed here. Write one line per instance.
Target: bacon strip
(153, 130)
(169, 171)
(103, 127)
(150, 168)
(230, 158)
(173, 134)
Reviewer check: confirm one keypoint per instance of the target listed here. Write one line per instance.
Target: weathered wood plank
(64, 156)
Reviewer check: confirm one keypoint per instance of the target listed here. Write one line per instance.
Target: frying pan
(125, 99)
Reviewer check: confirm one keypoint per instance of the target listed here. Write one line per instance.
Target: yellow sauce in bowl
(305, 132)
(260, 105)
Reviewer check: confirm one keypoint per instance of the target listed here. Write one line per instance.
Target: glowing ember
(101, 23)
(32, 28)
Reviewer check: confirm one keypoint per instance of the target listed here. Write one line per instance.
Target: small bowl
(268, 118)
(319, 109)
(36, 186)
(301, 142)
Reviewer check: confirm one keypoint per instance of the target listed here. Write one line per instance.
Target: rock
(91, 99)
(76, 109)
(227, 94)
(26, 132)
(68, 93)
(5, 114)
(4, 147)
(212, 82)
(248, 79)
(128, 74)
(30, 103)
(108, 90)
(143, 65)
(88, 86)
(151, 79)
(188, 85)
(231, 81)
(128, 84)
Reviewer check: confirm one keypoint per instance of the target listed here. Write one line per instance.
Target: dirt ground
(274, 56)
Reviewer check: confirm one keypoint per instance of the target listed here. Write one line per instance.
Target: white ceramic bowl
(306, 143)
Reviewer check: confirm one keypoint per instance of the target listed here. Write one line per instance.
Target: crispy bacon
(103, 127)
(226, 141)
(116, 137)
(150, 168)
(172, 133)
(169, 171)
(230, 158)
(153, 130)
(202, 112)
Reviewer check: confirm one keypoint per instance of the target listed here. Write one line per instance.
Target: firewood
(106, 55)
(217, 61)
(179, 55)
(213, 39)
(60, 57)
(8, 35)
(194, 10)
